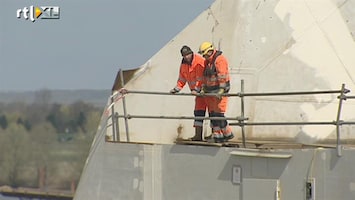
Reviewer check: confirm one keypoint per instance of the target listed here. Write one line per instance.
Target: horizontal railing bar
(240, 123)
(241, 94)
(290, 93)
(158, 93)
(281, 123)
(346, 123)
(176, 117)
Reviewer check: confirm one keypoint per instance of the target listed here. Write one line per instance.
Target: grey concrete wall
(143, 171)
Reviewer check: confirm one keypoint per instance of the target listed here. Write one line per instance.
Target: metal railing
(241, 120)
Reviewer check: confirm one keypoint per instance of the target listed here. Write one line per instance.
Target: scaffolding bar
(176, 117)
(124, 107)
(242, 94)
(240, 120)
(338, 120)
(242, 113)
(114, 131)
(281, 123)
(292, 93)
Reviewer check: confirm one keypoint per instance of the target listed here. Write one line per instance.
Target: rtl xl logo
(41, 12)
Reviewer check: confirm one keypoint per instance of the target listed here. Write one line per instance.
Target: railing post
(338, 123)
(242, 112)
(117, 127)
(113, 119)
(124, 108)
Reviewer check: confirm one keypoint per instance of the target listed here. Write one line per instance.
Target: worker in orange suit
(191, 72)
(216, 80)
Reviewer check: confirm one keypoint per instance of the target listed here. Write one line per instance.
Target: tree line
(44, 144)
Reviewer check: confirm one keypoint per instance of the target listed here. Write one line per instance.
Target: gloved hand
(194, 92)
(220, 93)
(202, 92)
(173, 91)
(123, 91)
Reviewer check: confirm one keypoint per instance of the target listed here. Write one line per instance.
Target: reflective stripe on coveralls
(192, 74)
(216, 76)
(216, 73)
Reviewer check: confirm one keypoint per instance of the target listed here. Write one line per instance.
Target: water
(7, 198)
(2, 197)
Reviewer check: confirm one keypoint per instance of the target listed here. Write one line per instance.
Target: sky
(89, 43)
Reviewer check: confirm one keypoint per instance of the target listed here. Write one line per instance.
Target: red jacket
(191, 73)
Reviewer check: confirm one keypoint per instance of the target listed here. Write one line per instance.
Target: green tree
(30, 141)
(36, 113)
(24, 122)
(43, 137)
(92, 121)
(3, 121)
(15, 153)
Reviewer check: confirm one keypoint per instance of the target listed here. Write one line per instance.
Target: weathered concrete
(274, 46)
(165, 171)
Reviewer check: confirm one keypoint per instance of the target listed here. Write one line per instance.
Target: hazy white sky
(85, 48)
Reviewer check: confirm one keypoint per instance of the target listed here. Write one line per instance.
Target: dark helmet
(185, 50)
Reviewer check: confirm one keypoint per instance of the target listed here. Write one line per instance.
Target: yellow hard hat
(205, 47)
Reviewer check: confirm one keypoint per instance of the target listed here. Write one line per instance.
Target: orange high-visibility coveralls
(192, 74)
(216, 77)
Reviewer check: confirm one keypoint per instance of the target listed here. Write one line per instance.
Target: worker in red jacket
(191, 72)
(216, 80)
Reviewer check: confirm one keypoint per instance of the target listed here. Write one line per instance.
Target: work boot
(198, 134)
(209, 137)
(227, 138)
(218, 140)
